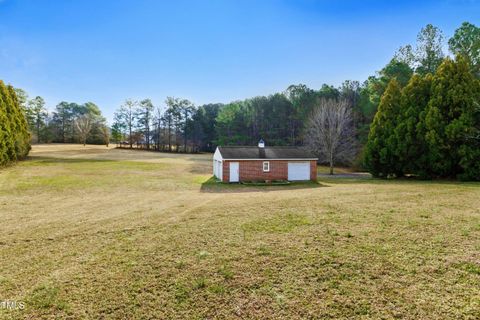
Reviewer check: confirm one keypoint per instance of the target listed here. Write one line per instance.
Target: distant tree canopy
(14, 136)
(63, 123)
(274, 118)
(280, 119)
(178, 127)
(60, 125)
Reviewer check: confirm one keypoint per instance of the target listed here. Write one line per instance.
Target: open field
(97, 233)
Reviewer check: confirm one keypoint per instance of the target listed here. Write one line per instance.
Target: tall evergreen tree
(450, 121)
(380, 151)
(22, 136)
(144, 115)
(373, 89)
(230, 125)
(302, 100)
(10, 123)
(412, 151)
(202, 126)
(37, 115)
(187, 109)
(63, 119)
(5, 131)
(14, 137)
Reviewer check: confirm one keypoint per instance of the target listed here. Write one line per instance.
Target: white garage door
(298, 171)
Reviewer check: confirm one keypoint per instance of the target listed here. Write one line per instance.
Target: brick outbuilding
(261, 163)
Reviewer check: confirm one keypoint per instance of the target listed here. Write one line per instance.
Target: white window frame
(268, 166)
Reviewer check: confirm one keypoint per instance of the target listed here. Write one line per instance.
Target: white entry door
(298, 171)
(234, 172)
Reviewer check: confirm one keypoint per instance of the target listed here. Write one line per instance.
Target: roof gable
(217, 155)
(240, 153)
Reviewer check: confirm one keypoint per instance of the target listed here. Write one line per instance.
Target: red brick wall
(313, 170)
(251, 170)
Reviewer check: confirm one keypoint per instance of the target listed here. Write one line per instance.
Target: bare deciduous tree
(84, 126)
(330, 132)
(105, 134)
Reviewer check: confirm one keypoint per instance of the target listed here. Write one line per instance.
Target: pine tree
(7, 126)
(411, 146)
(450, 120)
(380, 151)
(14, 136)
(22, 136)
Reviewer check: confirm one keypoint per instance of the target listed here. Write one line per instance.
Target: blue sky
(207, 51)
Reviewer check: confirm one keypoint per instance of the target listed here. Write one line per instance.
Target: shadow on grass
(399, 181)
(52, 160)
(350, 175)
(215, 186)
(95, 164)
(171, 154)
(42, 159)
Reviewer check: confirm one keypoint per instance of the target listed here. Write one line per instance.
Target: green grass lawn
(97, 233)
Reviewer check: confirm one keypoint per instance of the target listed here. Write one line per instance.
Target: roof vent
(261, 143)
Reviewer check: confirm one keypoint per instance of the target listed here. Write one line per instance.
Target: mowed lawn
(97, 233)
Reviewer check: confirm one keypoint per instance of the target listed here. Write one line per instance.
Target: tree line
(292, 117)
(180, 126)
(14, 135)
(69, 122)
(174, 128)
(430, 126)
(285, 118)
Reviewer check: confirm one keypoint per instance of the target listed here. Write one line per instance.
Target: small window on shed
(266, 166)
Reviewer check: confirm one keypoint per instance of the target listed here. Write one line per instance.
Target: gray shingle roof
(265, 153)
